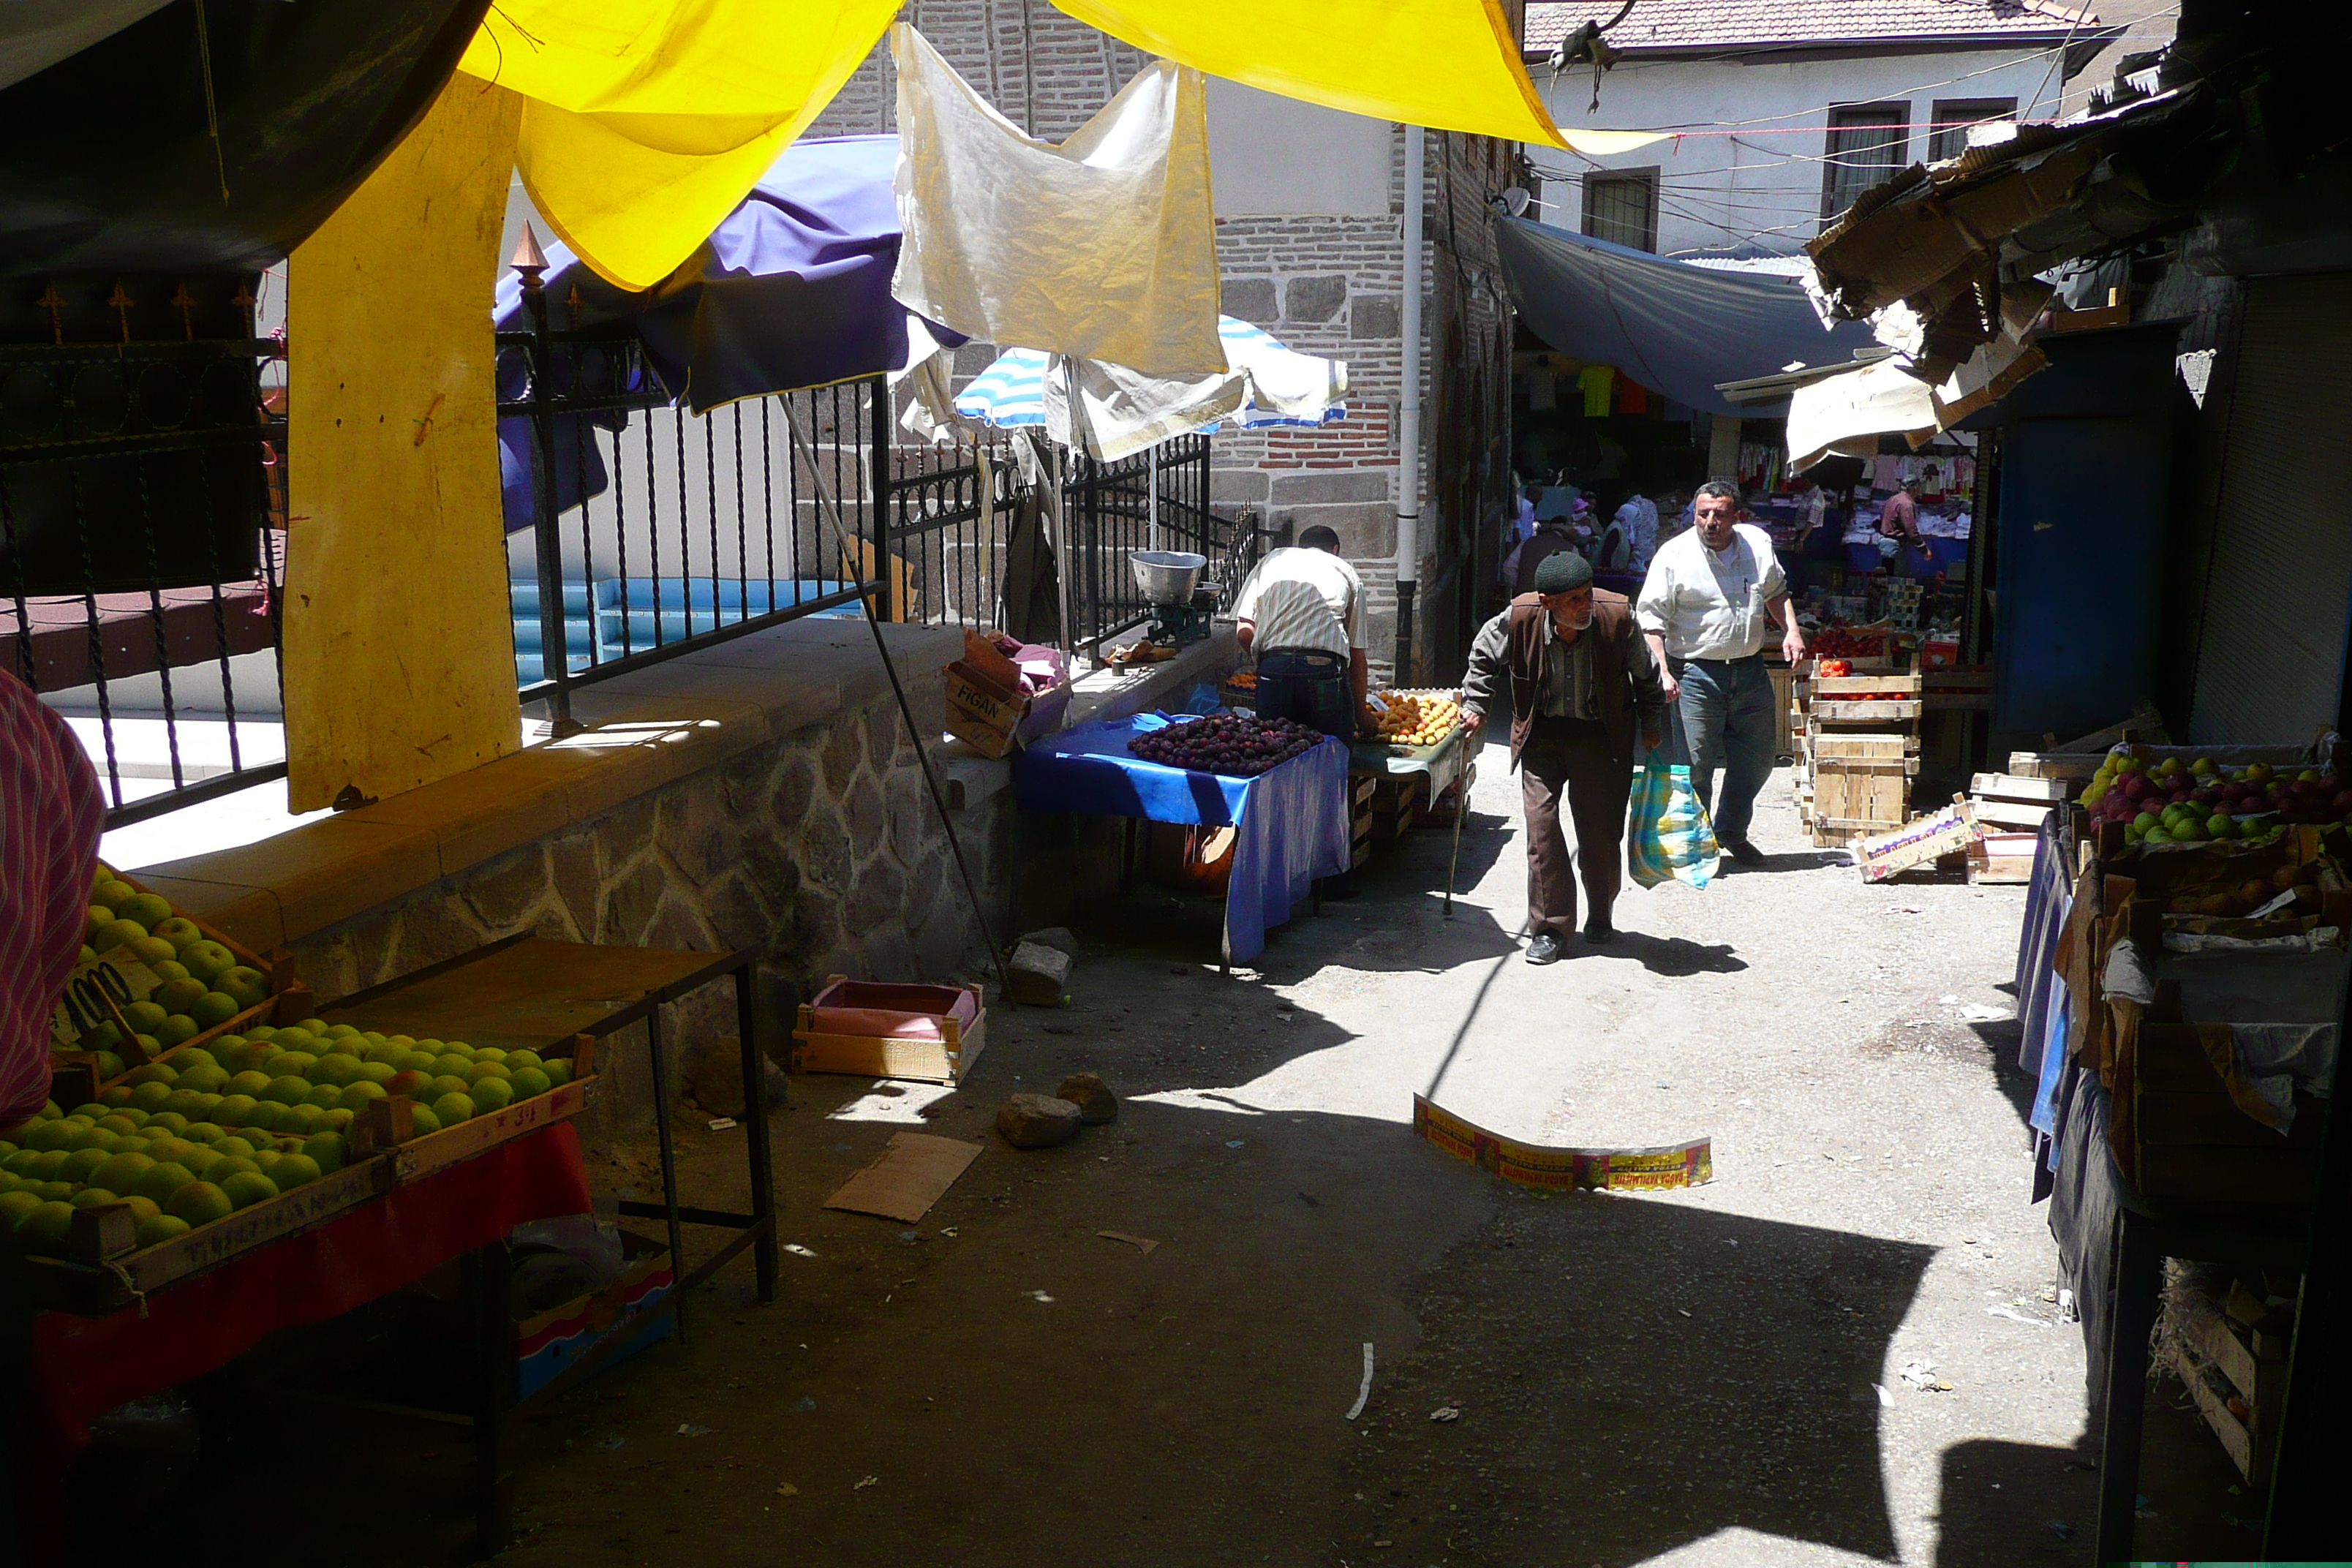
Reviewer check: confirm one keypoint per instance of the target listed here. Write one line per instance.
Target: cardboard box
(547, 1344)
(981, 714)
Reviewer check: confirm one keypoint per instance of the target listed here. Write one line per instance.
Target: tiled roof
(1707, 23)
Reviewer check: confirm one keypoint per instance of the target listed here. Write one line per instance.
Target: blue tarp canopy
(793, 289)
(1671, 326)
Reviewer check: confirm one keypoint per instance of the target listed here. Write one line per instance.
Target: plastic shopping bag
(1668, 837)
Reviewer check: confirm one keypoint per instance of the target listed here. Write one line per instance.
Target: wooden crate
(2010, 814)
(2200, 1333)
(1830, 710)
(1786, 725)
(414, 1158)
(1444, 811)
(2074, 767)
(1394, 796)
(76, 1072)
(98, 1285)
(1862, 746)
(942, 1060)
(2012, 786)
(2001, 859)
(1870, 794)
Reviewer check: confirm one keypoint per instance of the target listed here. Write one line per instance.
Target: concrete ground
(1711, 1377)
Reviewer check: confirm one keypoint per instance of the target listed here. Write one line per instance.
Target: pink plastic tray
(891, 1012)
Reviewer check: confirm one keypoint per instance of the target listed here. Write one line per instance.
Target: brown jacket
(1510, 651)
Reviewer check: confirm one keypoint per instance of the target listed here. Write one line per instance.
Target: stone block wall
(822, 850)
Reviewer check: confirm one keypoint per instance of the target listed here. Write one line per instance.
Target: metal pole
(886, 607)
(554, 652)
(830, 507)
(1408, 523)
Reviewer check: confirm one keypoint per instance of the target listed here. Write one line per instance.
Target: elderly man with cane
(1582, 685)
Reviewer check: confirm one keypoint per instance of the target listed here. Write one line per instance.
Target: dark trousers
(1572, 755)
(1309, 688)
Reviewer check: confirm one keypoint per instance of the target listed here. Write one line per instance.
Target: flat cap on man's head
(1563, 571)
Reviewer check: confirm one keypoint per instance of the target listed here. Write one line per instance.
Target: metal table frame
(488, 1271)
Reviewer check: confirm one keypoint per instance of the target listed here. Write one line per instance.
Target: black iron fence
(141, 510)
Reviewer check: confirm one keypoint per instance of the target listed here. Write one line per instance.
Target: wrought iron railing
(651, 532)
(141, 510)
(1155, 500)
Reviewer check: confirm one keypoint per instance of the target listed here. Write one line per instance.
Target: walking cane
(1452, 865)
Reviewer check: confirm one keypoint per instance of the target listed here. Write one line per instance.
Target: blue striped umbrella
(1010, 392)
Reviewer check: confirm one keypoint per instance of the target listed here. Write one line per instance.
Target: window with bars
(1621, 207)
(1953, 116)
(1866, 143)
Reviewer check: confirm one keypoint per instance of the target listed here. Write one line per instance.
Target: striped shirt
(50, 818)
(1303, 601)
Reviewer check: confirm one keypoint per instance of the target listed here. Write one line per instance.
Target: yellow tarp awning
(649, 119)
(1450, 65)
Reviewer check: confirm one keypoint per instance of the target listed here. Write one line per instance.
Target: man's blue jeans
(1726, 721)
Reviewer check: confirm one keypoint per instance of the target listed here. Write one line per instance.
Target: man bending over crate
(1582, 682)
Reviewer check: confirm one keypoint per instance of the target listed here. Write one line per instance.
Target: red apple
(2134, 785)
(2342, 804)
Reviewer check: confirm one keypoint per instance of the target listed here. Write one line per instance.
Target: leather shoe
(1598, 930)
(1747, 854)
(1545, 949)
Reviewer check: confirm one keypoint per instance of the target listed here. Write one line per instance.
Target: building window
(1867, 142)
(1621, 207)
(1953, 117)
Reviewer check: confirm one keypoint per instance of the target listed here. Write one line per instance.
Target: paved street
(1692, 1378)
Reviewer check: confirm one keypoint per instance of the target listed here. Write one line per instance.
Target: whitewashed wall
(1762, 186)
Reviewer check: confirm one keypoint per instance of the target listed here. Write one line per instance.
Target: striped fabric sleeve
(50, 818)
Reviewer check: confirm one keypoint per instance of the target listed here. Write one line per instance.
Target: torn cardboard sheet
(1542, 1166)
(909, 1178)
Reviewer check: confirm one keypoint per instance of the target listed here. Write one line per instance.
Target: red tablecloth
(85, 1366)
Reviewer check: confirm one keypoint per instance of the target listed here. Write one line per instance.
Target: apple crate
(101, 988)
(388, 1124)
(104, 1270)
(550, 1343)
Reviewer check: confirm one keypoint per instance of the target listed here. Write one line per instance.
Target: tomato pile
(1836, 642)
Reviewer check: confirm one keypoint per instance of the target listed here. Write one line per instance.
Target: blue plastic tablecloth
(1293, 820)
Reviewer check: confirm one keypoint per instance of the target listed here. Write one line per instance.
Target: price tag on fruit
(100, 988)
(149, 980)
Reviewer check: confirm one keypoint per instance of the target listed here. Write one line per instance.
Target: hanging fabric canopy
(649, 119)
(1121, 412)
(1450, 65)
(1669, 325)
(1102, 247)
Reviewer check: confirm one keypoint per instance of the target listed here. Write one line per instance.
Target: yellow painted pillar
(399, 639)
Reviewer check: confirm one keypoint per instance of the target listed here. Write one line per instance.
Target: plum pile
(1238, 746)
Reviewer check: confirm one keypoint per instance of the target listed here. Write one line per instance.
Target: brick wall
(1328, 285)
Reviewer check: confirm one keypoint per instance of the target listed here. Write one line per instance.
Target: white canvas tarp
(1103, 248)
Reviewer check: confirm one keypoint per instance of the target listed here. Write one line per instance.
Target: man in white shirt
(1702, 609)
(1302, 614)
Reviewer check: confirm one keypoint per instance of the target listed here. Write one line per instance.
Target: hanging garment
(1103, 248)
(1595, 381)
(649, 119)
(1632, 397)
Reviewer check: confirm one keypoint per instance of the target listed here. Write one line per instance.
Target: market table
(1440, 765)
(1291, 821)
(83, 1366)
